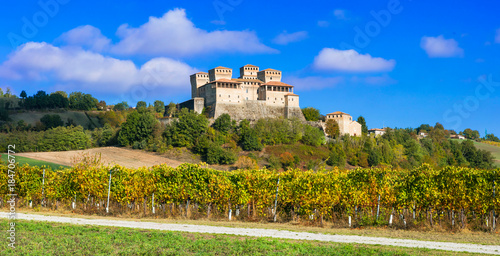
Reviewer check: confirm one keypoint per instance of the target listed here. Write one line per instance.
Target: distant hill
(78, 117)
(495, 151)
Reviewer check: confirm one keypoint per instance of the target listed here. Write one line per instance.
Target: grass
(44, 238)
(428, 234)
(495, 151)
(21, 160)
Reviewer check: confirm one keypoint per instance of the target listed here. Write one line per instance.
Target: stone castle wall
(254, 110)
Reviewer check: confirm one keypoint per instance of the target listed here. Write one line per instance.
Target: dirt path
(109, 155)
(457, 247)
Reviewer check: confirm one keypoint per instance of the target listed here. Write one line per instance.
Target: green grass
(24, 160)
(495, 151)
(44, 238)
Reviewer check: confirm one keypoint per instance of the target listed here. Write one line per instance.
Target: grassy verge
(42, 238)
(428, 234)
(24, 160)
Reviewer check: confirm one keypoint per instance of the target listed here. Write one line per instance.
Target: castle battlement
(262, 87)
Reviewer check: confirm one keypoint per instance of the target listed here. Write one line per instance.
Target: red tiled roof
(220, 67)
(338, 113)
(275, 83)
(291, 94)
(270, 69)
(250, 65)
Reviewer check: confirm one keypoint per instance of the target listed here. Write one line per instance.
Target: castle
(254, 94)
(346, 124)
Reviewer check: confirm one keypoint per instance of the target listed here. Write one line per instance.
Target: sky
(396, 63)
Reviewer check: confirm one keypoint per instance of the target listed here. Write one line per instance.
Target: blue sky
(397, 63)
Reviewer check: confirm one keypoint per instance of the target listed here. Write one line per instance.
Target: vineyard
(452, 197)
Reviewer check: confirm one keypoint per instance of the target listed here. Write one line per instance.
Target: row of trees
(60, 99)
(403, 148)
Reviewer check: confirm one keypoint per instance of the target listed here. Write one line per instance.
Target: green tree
(141, 104)
(159, 106)
(172, 109)
(361, 120)
(121, 106)
(82, 101)
(311, 114)
(138, 127)
(471, 134)
(312, 136)
(337, 156)
(184, 131)
(51, 121)
(332, 128)
(248, 137)
(23, 94)
(222, 123)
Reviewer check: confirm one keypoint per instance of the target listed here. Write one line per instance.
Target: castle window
(219, 95)
(247, 90)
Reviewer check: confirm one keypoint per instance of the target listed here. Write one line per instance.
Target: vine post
(276, 200)
(43, 188)
(109, 190)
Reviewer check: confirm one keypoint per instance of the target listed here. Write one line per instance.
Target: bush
(51, 121)
(218, 155)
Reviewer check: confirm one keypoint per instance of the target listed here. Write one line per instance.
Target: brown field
(109, 155)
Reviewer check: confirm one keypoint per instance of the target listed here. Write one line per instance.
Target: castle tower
(220, 73)
(249, 72)
(269, 75)
(197, 80)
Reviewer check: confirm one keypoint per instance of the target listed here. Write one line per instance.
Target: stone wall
(254, 110)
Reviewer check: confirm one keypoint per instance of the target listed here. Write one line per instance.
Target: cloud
(340, 14)
(286, 38)
(497, 36)
(330, 59)
(86, 70)
(87, 36)
(175, 35)
(323, 23)
(439, 47)
(314, 82)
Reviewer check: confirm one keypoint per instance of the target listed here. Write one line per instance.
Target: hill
(495, 151)
(78, 117)
(109, 155)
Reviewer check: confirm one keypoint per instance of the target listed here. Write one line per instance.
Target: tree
(222, 123)
(362, 122)
(51, 121)
(101, 105)
(332, 128)
(121, 106)
(337, 156)
(471, 134)
(311, 114)
(184, 131)
(172, 109)
(23, 94)
(492, 137)
(159, 106)
(138, 127)
(141, 104)
(249, 140)
(82, 101)
(312, 136)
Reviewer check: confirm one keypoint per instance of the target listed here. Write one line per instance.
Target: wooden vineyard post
(276, 200)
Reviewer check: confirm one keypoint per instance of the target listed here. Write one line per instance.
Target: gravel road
(458, 247)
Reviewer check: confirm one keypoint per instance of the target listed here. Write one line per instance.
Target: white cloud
(439, 47)
(87, 36)
(175, 35)
(323, 23)
(314, 82)
(340, 14)
(330, 59)
(497, 36)
(286, 38)
(91, 71)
